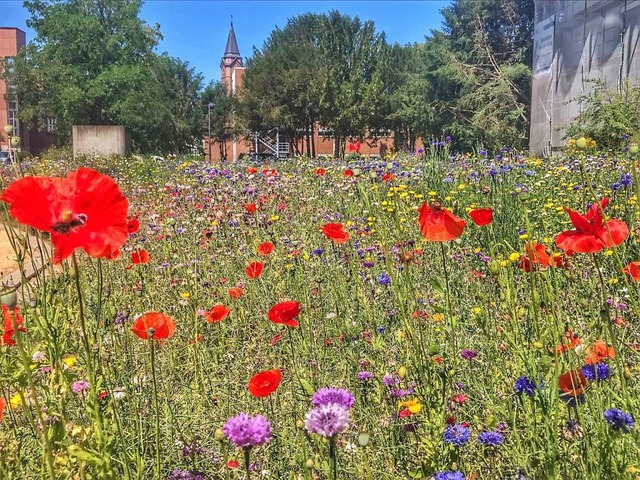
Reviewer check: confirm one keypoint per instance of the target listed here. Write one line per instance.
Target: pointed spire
(232, 51)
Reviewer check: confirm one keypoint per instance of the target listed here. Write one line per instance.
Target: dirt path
(7, 256)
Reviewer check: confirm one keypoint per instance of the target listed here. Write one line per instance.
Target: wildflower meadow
(431, 315)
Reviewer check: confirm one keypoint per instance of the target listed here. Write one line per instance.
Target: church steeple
(232, 50)
(231, 66)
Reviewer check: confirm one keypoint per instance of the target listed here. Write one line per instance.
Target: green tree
(92, 62)
(219, 109)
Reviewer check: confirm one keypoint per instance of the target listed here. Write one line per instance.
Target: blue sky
(196, 30)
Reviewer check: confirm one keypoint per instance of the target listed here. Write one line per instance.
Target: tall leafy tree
(92, 62)
(219, 111)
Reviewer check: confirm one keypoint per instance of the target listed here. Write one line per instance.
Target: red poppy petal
(575, 241)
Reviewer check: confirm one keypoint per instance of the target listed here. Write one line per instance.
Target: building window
(12, 108)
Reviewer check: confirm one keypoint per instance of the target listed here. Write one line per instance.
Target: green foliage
(92, 62)
(609, 116)
(220, 116)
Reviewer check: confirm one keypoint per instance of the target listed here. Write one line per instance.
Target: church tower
(231, 67)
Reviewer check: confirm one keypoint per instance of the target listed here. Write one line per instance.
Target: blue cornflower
(384, 279)
(525, 385)
(599, 371)
(456, 434)
(449, 475)
(491, 438)
(619, 420)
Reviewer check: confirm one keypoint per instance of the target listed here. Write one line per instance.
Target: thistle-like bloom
(525, 385)
(449, 475)
(327, 420)
(619, 420)
(456, 434)
(325, 396)
(491, 438)
(244, 431)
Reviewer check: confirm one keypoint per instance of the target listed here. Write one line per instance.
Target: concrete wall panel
(100, 140)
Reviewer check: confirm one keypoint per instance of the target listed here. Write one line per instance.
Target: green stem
(333, 457)
(155, 406)
(247, 462)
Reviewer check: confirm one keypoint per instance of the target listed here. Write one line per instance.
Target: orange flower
(335, 232)
(217, 313)
(285, 313)
(84, 210)
(570, 342)
(9, 318)
(252, 170)
(633, 270)
(263, 384)
(592, 234)
(140, 257)
(481, 216)
(154, 326)
(3, 403)
(438, 224)
(254, 269)
(599, 352)
(536, 257)
(265, 248)
(572, 383)
(236, 292)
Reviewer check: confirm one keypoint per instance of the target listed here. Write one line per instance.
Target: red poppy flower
(320, 172)
(536, 257)
(571, 383)
(84, 210)
(140, 257)
(254, 269)
(348, 173)
(269, 172)
(481, 216)
(133, 225)
(252, 170)
(354, 147)
(387, 177)
(592, 234)
(3, 403)
(265, 383)
(217, 313)
(599, 352)
(250, 207)
(154, 325)
(10, 319)
(285, 313)
(633, 270)
(265, 248)
(570, 342)
(335, 232)
(438, 224)
(233, 464)
(236, 292)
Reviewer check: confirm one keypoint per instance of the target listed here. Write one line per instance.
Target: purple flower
(391, 380)
(491, 438)
(244, 431)
(365, 376)
(177, 474)
(456, 434)
(525, 385)
(327, 420)
(468, 354)
(384, 279)
(619, 420)
(328, 395)
(80, 386)
(599, 371)
(449, 475)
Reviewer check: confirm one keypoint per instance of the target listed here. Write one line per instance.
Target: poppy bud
(633, 148)
(581, 143)
(300, 424)
(402, 372)
(10, 299)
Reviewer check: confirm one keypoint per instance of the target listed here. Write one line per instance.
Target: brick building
(232, 75)
(33, 141)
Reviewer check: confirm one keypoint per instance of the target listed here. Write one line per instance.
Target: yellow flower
(15, 401)
(185, 295)
(438, 317)
(69, 361)
(274, 218)
(476, 310)
(432, 193)
(514, 257)
(413, 406)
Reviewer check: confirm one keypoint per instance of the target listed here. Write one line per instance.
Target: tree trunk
(313, 140)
